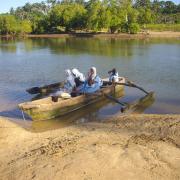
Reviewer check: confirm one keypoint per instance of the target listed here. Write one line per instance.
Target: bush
(123, 28)
(134, 28)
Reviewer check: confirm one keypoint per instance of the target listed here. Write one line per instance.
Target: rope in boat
(23, 115)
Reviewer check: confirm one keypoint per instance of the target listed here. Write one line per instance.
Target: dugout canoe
(45, 108)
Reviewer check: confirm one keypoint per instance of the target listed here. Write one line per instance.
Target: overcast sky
(5, 5)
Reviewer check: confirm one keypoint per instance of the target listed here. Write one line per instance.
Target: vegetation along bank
(112, 16)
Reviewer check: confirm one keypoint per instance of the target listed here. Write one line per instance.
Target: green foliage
(36, 13)
(55, 16)
(8, 24)
(176, 18)
(142, 4)
(124, 28)
(118, 16)
(169, 7)
(134, 28)
(163, 27)
(25, 27)
(145, 16)
(93, 10)
(132, 15)
(70, 16)
(104, 16)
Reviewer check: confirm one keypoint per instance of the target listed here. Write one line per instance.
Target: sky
(5, 5)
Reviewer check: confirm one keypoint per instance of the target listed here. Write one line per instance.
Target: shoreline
(145, 146)
(148, 34)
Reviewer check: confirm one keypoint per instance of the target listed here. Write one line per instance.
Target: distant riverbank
(148, 34)
(130, 146)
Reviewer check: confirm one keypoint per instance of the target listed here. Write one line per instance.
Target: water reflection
(76, 46)
(8, 47)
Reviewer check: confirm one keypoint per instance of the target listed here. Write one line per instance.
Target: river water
(153, 64)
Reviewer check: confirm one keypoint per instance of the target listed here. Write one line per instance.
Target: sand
(148, 34)
(141, 35)
(123, 147)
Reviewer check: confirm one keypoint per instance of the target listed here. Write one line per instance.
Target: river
(153, 64)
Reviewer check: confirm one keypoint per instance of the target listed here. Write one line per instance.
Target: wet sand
(123, 147)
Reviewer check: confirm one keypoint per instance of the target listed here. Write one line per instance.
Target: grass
(162, 27)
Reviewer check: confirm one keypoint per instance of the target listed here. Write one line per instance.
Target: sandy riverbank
(126, 147)
(148, 34)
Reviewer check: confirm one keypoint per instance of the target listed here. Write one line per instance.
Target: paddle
(33, 90)
(100, 93)
(114, 99)
(45, 89)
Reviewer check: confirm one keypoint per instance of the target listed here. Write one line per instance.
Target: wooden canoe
(45, 108)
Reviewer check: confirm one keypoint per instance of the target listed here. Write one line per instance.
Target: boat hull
(45, 108)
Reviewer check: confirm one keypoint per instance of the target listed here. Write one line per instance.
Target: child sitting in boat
(78, 77)
(92, 83)
(69, 83)
(113, 75)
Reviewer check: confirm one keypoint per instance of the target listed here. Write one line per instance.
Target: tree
(122, 15)
(82, 2)
(12, 11)
(51, 3)
(25, 27)
(145, 16)
(93, 9)
(142, 4)
(68, 15)
(8, 24)
(99, 15)
(132, 14)
(93, 15)
(36, 13)
(169, 7)
(118, 15)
